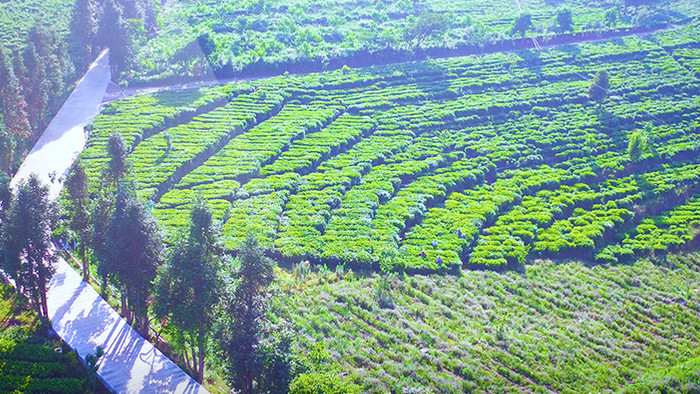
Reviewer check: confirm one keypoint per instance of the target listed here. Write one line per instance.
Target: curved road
(79, 315)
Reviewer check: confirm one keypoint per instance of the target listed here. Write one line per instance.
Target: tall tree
(114, 32)
(598, 90)
(26, 239)
(431, 24)
(103, 210)
(37, 86)
(522, 24)
(565, 21)
(12, 102)
(79, 206)
(83, 28)
(189, 286)
(54, 57)
(118, 165)
(239, 341)
(133, 251)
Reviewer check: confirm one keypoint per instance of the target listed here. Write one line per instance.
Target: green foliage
(507, 318)
(189, 286)
(251, 360)
(76, 185)
(121, 34)
(28, 359)
(132, 252)
(565, 22)
(234, 37)
(522, 24)
(598, 91)
(118, 165)
(26, 241)
(322, 383)
(611, 17)
(431, 25)
(636, 146)
(365, 168)
(83, 30)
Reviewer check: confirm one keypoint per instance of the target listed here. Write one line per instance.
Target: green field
(554, 327)
(479, 162)
(458, 224)
(264, 37)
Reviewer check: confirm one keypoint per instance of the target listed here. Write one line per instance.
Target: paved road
(78, 314)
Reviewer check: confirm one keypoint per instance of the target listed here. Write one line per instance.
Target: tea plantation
(552, 328)
(473, 162)
(32, 361)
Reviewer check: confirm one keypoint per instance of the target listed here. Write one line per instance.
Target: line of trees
(36, 77)
(199, 300)
(210, 305)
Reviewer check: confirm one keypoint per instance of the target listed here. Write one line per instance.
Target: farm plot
(551, 328)
(485, 161)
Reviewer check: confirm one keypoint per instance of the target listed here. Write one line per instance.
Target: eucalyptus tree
(26, 241)
(189, 286)
(239, 339)
(130, 255)
(79, 206)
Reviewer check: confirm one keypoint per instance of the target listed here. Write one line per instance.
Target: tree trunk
(200, 370)
(194, 372)
(187, 359)
(43, 305)
(86, 270)
(125, 309)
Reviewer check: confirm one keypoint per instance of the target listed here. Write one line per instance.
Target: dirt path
(78, 314)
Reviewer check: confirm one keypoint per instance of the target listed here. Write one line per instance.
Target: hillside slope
(563, 328)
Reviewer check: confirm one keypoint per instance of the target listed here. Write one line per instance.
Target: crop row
(554, 327)
(447, 231)
(667, 232)
(138, 117)
(218, 178)
(372, 165)
(157, 158)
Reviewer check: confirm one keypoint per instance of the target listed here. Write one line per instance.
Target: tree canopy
(598, 91)
(431, 24)
(133, 250)
(522, 24)
(565, 22)
(189, 286)
(79, 208)
(26, 241)
(240, 341)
